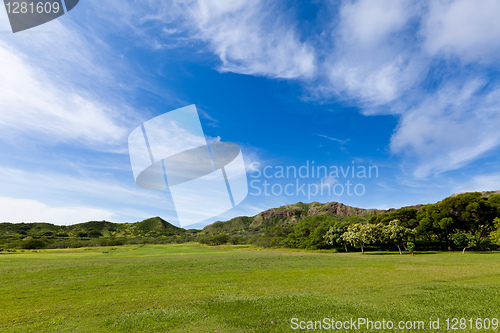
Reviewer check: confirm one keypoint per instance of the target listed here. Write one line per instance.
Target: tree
(33, 244)
(464, 239)
(395, 232)
(495, 234)
(360, 234)
(334, 235)
(215, 239)
(430, 218)
(94, 234)
(471, 213)
(407, 217)
(309, 232)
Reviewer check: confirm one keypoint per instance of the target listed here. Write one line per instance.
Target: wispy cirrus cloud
(333, 139)
(56, 194)
(31, 104)
(62, 85)
(450, 128)
(250, 37)
(370, 63)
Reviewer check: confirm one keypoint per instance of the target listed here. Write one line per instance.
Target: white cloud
(368, 23)
(490, 182)
(32, 104)
(251, 38)
(369, 63)
(469, 30)
(24, 210)
(60, 83)
(448, 129)
(100, 192)
(52, 184)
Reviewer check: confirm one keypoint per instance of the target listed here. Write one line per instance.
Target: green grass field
(194, 288)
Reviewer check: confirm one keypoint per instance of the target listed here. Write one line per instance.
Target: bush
(115, 242)
(95, 234)
(32, 244)
(237, 240)
(215, 240)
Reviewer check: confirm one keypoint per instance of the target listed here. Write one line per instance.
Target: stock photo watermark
(204, 178)
(363, 324)
(310, 179)
(27, 14)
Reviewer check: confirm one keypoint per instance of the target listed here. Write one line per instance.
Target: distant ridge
(152, 227)
(288, 215)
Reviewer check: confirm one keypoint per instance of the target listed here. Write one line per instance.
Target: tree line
(468, 220)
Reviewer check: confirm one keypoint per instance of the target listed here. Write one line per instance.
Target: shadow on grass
(397, 253)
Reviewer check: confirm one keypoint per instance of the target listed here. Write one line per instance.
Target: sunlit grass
(189, 287)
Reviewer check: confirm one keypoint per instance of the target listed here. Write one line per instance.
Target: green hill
(288, 215)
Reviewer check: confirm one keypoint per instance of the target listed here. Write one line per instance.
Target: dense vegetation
(468, 220)
(94, 233)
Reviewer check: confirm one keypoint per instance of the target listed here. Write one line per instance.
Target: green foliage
(33, 244)
(397, 233)
(464, 239)
(215, 240)
(411, 246)
(360, 234)
(95, 233)
(407, 217)
(495, 233)
(334, 237)
(309, 233)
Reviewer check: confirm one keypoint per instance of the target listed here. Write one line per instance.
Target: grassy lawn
(194, 288)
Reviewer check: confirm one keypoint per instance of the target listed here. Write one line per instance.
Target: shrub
(215, 240)
(32, 244)
(95, 234)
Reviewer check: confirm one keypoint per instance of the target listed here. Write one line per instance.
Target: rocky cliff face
(292, 214)
(337, 208)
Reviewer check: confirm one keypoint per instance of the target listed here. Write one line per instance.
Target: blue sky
(411, 88)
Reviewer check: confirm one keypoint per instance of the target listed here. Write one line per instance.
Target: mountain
(287, 215)
(156, 227)
(152, 227)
